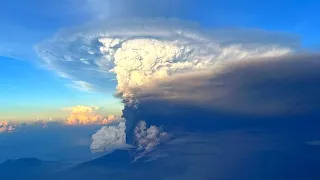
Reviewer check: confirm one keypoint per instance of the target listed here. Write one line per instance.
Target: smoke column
(137, 51)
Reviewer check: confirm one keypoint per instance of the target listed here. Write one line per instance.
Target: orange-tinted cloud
(6, 127)
(88, 115)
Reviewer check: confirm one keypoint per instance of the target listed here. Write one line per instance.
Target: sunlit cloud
(5, 126)
(85, 115)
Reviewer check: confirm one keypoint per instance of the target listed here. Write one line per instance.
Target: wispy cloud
(313, 143)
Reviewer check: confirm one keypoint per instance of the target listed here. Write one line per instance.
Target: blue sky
(29, 91)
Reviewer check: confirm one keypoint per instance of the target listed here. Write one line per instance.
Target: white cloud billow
(109, 138)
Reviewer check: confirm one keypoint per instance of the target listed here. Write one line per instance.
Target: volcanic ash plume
(138, 51)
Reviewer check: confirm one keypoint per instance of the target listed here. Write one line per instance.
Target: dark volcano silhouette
(114, 159)
(118, 165)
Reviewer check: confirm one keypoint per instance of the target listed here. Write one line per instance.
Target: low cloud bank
(5, 126)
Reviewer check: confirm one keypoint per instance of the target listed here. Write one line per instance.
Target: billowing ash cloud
(138, 50)
(147, 139)
(254, 90)
(113, 136)
(5, 126)
(109, 138)
(274, 85)
(167, 67)
(88, 115)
